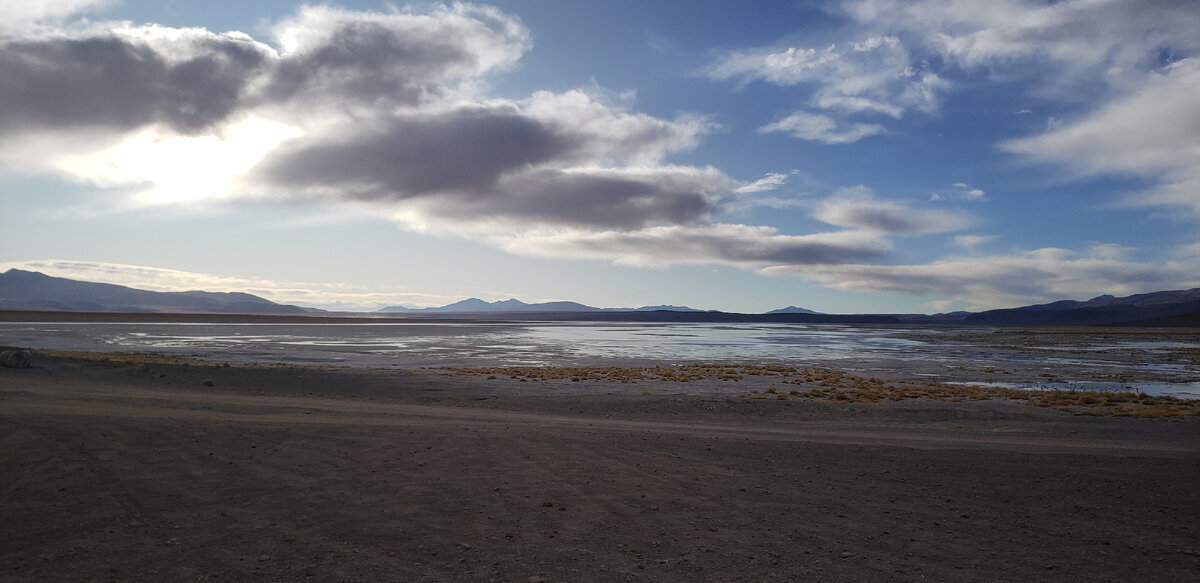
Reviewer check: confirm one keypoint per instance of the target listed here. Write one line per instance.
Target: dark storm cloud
(597, 199)
(737, 245)
(481, 163)
(751, 245)
(458, 152)
(112, 81)
(190, 79)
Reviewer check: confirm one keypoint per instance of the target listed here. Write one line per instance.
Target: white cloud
(996, 281)
(859, 208)
(821, 128)
(23, 15)
(771, 181)
(1070, 42)
(1131, 68)
(1153, 133)
(960, 191)
(875, 75)
(897, 56)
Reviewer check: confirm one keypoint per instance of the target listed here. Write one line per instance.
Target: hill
(1164, 308)
(33, 291)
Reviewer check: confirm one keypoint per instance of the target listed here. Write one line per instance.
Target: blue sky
(863, 156)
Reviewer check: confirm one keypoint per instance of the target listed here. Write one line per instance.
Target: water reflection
(861, 349)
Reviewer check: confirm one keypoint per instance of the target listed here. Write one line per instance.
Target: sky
(864, 156)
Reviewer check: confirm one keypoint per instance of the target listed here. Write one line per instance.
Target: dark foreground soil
(120, 472)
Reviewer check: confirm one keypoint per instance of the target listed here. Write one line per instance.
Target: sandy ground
(116, 472)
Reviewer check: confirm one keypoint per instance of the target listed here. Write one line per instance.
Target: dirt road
(144, 472)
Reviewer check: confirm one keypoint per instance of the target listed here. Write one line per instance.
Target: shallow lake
(938, 353)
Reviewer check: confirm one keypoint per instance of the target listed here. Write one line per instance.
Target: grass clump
(835, 386)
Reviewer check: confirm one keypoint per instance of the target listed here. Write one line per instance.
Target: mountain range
(26, 291)
(31, 290)
(476, 305)
(1165, 308)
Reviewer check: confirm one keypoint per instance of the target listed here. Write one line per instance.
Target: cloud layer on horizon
(990, 281)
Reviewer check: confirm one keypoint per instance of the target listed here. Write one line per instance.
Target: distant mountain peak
(794, 310)
(509, 305)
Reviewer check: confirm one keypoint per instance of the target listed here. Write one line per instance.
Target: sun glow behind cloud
(165, 168)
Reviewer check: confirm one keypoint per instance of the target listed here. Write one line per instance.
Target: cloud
(970, 242)
(873, 75)
(984, 282)
(20, 15)
(123, 77)
(960, 191)
(126, 78)
(771, 181)
(390, 111)
(894, 57)
(385, 110)
(599, 198)
(859, 208)
(553, 159)
(737, 245)
(876, 74)
(1068, 43)
(1153, 133)
(363, 106)
(821, 128)
(412, 155)
(373, 59)
(329, 296)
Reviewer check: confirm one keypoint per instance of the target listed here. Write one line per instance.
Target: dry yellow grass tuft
(144, 358)
(837, 386)
(834, 386)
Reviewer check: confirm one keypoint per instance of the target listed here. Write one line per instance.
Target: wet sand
(115, 471)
